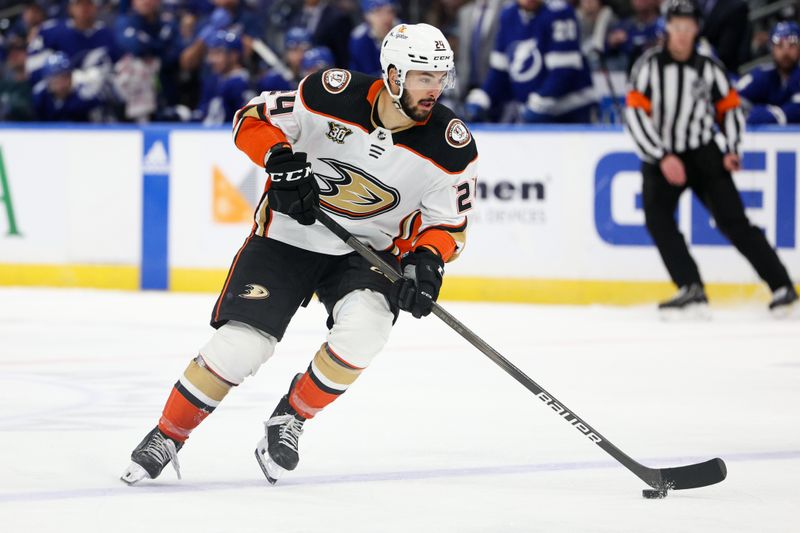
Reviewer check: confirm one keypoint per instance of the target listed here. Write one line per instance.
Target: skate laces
(164, 451)
(290, 431)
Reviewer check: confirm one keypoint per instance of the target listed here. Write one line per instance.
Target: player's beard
(413, 112)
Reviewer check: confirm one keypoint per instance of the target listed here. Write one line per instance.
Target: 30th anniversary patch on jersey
(457, 134)
(337, 133)
(335, 80)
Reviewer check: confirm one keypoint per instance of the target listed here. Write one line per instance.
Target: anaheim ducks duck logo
(353, 193)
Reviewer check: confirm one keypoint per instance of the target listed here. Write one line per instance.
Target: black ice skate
(151, 456)
(278, 452)
(690, 302)
(783, 299)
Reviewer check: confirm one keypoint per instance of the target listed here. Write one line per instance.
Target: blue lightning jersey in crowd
(92, 48)
(537, 62)
(142, 38)
(640, 37)
(274, 80)
(222, 96)
(76, 107)
(768, 99)
(365, 51)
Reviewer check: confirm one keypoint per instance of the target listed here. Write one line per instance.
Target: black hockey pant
(714, 186)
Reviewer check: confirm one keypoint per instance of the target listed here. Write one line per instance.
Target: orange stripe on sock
(308, 399)
(180, 417)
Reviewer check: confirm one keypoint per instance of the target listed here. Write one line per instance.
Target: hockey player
(771, 94)
(380, 16)
(387, 162)
(537, 63)
(226, 88)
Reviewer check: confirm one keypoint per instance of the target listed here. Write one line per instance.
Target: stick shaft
(649, 476)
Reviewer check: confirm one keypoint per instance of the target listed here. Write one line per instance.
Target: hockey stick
(601, 58)
(676, 478)
(269, 57)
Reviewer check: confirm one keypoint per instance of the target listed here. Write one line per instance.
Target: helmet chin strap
(396, 97)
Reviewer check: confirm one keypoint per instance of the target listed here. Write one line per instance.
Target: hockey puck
(654, 494)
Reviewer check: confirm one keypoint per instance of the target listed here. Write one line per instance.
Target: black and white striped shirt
(673, 107)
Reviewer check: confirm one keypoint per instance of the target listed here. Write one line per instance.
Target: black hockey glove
(422, 278)
(294, 190)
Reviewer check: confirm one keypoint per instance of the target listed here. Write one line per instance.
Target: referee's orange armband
(637, 100)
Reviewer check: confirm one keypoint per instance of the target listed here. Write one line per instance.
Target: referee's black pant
(714, 186)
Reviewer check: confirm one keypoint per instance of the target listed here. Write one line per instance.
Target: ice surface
(433, 437)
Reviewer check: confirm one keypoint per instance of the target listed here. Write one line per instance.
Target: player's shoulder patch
(444, 139)
(457, 134)
(336, 80)
(338, 93)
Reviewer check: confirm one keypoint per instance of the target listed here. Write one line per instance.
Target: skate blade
(272, 470)
(134, 474)
(784, 312)
(691, 312)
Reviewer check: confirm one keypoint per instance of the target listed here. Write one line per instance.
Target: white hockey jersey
(394, 190)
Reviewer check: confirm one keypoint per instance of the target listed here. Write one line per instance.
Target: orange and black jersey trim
(442, 139)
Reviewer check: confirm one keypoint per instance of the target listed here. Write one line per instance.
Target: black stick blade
(693, 476)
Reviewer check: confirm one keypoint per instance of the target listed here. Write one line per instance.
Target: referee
(685, 120)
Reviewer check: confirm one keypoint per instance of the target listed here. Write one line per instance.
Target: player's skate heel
(783, 301)
(151, 456)
(690, 303)
(278, 452)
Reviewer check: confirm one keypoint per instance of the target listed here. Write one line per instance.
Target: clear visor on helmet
(430, 79)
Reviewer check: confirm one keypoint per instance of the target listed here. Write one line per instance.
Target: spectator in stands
(594, 19)
(188, 84)
(87, 43)
(727, 28)
(229, 15)
(328, 25)
(286, 77)
(226, 88)
(15, 90)
(771, 94)
(628, 39)
(56, 99)
(365, 41)
(33, 16)
(316, 59)
(477, 23)
(537, 65)
(149, 42)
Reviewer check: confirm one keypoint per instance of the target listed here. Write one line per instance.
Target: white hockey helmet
(416, 47)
